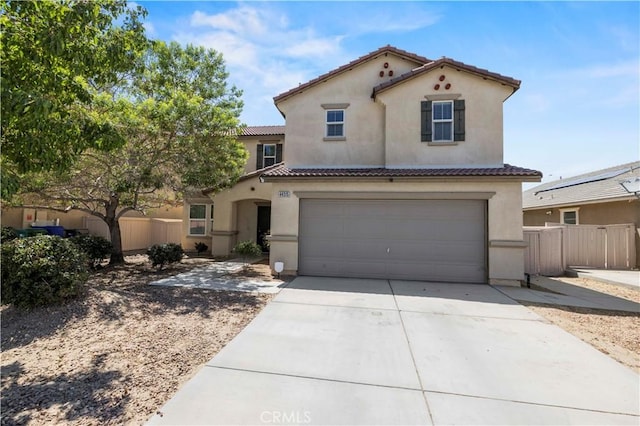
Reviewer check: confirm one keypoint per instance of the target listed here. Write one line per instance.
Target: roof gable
(440, 63)
(417, 59)
(600, 185)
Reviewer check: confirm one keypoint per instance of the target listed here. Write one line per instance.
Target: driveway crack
(413, 359)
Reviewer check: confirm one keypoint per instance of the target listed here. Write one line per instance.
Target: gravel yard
(614, 333)
(117, 355)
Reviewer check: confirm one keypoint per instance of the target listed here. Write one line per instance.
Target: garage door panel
(443, 240)
(370, 228)
(323, 227)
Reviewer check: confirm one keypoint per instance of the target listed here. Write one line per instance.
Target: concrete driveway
(347, 351)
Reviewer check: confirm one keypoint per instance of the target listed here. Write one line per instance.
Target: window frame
(207, 220)
(575, 210)
(435, 121)
(265, 156)
(334, 123)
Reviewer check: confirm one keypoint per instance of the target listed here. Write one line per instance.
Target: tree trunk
(117, 257)
(111, 218)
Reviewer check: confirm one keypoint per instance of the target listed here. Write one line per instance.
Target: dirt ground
(614, 333)
(117, 355)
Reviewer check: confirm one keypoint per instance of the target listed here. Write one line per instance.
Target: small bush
(201, 247)
(164, 254)
(247, 249)
(42, 270)
(96, 248)
(8, 234)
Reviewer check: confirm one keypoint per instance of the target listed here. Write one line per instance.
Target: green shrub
(164, 254)
(247, 249)
(41, 270)
(201, 247)
(94, 247)
(8, 234)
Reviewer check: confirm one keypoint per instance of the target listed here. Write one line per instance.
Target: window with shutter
(442, 121)
(269, 154)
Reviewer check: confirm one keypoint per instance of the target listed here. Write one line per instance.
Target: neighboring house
(244, 211)
(603, 197)
(393, 169)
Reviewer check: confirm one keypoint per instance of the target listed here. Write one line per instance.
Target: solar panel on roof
(586, 179)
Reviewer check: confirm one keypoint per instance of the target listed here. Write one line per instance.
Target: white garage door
(430, 240)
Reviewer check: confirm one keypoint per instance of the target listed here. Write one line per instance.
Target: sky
(577, 109)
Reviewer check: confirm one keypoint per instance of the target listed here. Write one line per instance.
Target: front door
(264, 226)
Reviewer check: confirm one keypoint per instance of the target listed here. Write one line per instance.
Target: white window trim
(208, 219)
(434, 121)
(573, 209)
(265, 156)
(327, 123)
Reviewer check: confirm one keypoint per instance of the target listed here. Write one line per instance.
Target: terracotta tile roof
(263, 131)
(386, 49)
(507, 171)
(450, 62)
(600, 185)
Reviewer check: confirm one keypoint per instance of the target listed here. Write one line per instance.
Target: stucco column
(224, 228)
(284, 228)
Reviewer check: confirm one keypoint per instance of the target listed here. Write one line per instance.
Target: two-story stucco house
(392, 168)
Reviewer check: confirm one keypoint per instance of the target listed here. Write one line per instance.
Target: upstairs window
(442, 121)
(335, 123)
(268, 154)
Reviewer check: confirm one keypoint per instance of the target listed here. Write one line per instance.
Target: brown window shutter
(458, 120)
(259, 157)
(279, 153)
(425, 120)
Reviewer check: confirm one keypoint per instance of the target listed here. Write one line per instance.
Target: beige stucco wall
(234, 215)
(386, 132)
(364, 118)
(505, 251)
(483, 121)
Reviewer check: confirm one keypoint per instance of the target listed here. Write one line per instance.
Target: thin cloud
(389, 21)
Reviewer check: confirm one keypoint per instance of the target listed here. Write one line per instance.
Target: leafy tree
(180, 120)
(54, 53)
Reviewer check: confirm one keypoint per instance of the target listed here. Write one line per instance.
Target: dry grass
(614, 333)
(119, 353)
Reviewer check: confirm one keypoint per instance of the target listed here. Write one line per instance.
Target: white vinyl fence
(554, 247)
(138, 233)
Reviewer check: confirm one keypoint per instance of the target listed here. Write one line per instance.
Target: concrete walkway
(566, 294)
(347, 351)
(215, 276)
(609, 276)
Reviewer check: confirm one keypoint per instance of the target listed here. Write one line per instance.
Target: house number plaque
(284, 194)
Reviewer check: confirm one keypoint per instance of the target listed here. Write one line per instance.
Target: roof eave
(629, 197)
(266, 178)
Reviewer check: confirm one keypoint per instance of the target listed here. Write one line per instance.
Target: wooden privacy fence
(138, 233)
(554, 247)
